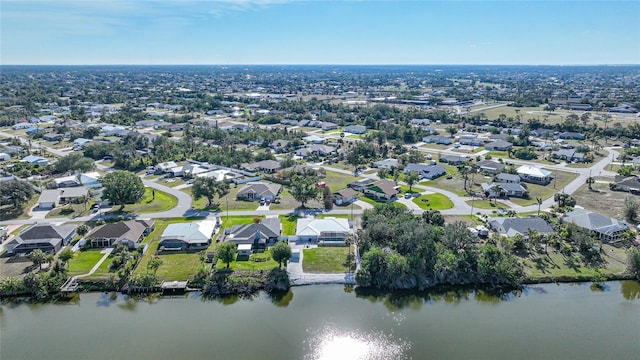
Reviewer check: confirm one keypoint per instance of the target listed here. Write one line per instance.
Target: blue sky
(318, 32)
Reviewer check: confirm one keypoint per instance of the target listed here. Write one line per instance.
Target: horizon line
(326, 64)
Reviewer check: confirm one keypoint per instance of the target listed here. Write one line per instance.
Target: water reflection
(281, 298)
(332, 343)
(398, 300)
(630, 289)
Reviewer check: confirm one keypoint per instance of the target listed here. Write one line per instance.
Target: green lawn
(433, 202)
(103, 271)
(556, 265)
(561, 180)
(175, 266)
(337, 181)
(499, 154)
(375, 202)
(70, 210)
(83, 261)
(150, 204)
(8, 212)
(486, 204)
(289, 223)
(326, 260)
(287, 202)
(220, 203)
(257, 262)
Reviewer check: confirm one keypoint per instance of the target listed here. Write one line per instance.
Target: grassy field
(8, 212)
(433, 202)
(556, 265)
(471, 220)
(171, 182)
(287, 202)
(177, 266)
(337, 181)
(326, 260)
(256, 262)
(486, 204)
(455, 184)
(103, 271)
(375, 202)
(70, 210)
(230, 199)
(602, 200)
(289, 223)
(150, 204)
(561, 180)
(83, 261)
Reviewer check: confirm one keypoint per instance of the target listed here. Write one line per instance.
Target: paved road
(184, 206)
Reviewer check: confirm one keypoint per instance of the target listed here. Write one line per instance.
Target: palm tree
(539, 201)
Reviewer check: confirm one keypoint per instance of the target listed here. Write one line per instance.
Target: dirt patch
(602, 200)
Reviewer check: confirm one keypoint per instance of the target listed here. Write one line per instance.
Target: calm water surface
(325, 322)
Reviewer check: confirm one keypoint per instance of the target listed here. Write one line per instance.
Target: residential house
(454, 159)
(437, 139)
(513, 226)
(48, 199)
(327, 230)
(360, 185)
(384, 190)
(470, 140)
(258, 235)
(345, 196)
(5, 157)
(46, 237)
(494, 190)
(420, 122)
(425, 171)
(187, 236)
(255, 191)
(534, 175)
(129, 233)
(266, 166)
(90, 180)
(22, 126)
(329, 126)
(507, 178)
(175, 127)
(314, 139)
(36, 160)
(490, 167)
(386, 164)
(498, 145)
(543, 132)
(74, 195)
(279, 145)
(570, 155)
(569, 135)
(110, 130)
(166, 166)
(355, 129)
(52, 137)
(322, 150)
(629, 184)
(624, 109)
(605, 228)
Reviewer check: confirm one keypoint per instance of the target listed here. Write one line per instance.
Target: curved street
(460, 207)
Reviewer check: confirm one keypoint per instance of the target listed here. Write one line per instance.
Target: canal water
(567, 321)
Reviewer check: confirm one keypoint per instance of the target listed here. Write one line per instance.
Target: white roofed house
(534, 175)
(187, 236)
(327, 230)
